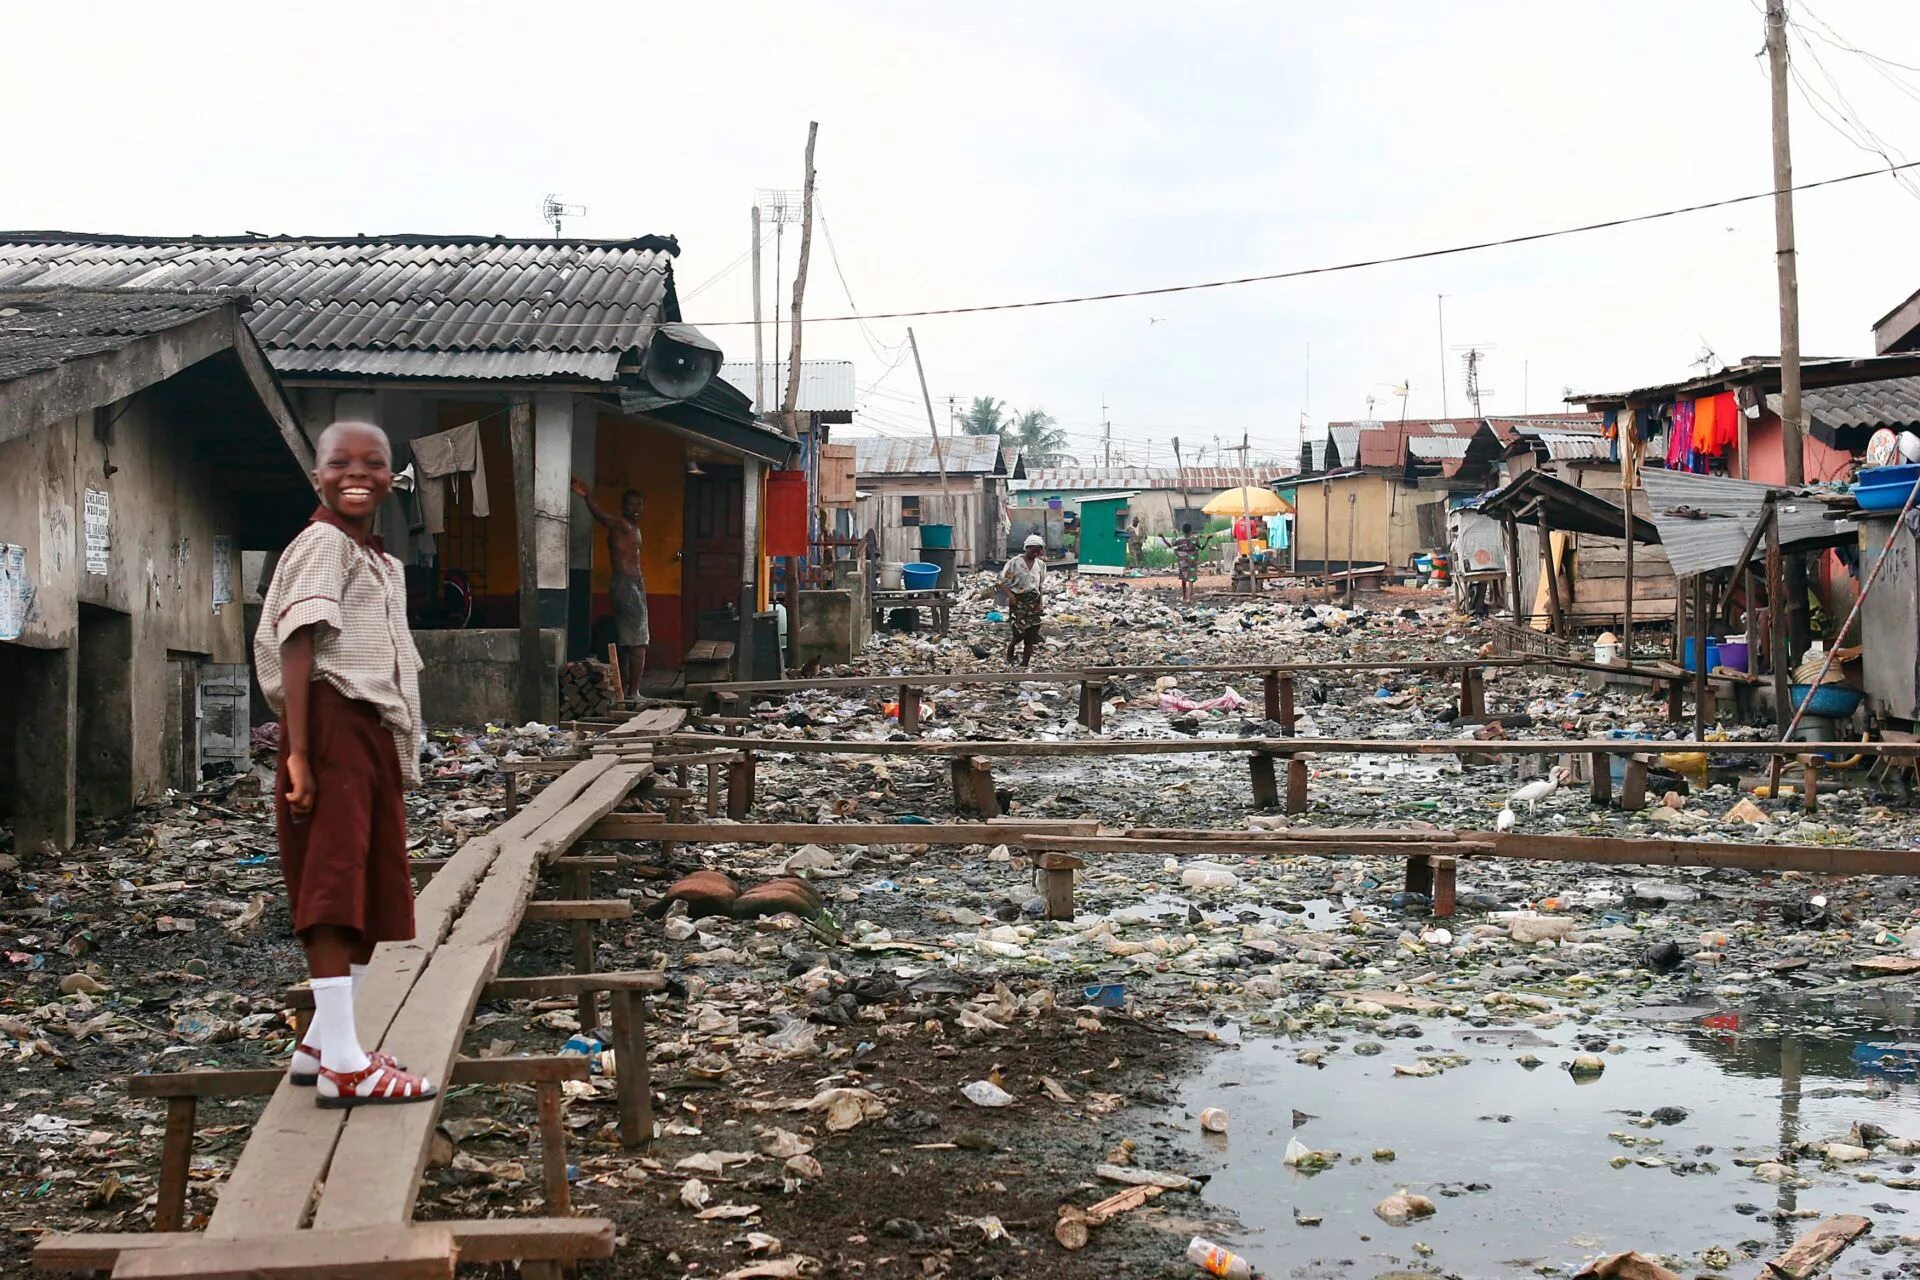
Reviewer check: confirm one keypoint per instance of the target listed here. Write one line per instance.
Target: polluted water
(1714, 1135)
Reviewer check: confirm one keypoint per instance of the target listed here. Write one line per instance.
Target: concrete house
(529, 362)
(144, 446)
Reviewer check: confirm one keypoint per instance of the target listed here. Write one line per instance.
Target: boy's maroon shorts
(345, 864)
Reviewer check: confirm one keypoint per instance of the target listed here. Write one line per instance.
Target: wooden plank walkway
(357, 1172)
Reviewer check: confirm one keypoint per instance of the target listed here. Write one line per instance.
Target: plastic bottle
(1218, 1260)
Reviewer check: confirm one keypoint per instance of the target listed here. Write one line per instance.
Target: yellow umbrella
(1248, 501)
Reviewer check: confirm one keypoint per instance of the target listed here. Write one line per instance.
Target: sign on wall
(95, 527)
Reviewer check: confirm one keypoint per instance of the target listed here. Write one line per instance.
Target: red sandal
(307, 1079)
(383, 1085)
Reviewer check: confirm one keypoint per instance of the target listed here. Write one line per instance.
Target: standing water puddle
(1543, 1146)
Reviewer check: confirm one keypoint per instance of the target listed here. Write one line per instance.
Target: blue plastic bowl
(1886, 488)
(1833, 700)
(920, 576)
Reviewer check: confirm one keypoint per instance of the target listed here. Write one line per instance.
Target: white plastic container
(890, 575)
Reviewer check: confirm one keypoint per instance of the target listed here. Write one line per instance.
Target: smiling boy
(336, 662)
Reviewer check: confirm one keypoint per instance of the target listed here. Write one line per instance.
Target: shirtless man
(629, 589)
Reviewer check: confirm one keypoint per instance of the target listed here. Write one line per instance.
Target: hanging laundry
(443, 456)
(1726, 423)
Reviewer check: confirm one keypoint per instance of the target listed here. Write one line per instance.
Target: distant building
(144, 445)
(1157, 495)
(961, 482)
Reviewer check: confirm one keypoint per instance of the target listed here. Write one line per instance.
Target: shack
(1104, 521)
(145, 444)
(960, 482)
(527, 361)
(1160, 494)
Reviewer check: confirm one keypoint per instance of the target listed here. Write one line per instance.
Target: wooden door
(715, 533)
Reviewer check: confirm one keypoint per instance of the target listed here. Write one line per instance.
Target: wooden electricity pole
(1784, 261)
(759, 344)
(792, 397)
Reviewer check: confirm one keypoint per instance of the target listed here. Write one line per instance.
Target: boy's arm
(296, 667)
(593, 508)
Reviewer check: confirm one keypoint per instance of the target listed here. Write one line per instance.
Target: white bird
(1534, 792)
(1506, 819)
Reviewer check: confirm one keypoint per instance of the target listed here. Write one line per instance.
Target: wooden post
(909, 709)
(1445, 871)
(960, 773)
(1287, 718)
(1810, 777)
(1473, 691)
(1512, 528)
(1266, 790)
(1270, 686)
(1628, 453)
(633, 1084)
(579, 887)
(1777, 655)
(553, 1150)
(513, 793)
(176, 1159)
(1700, 623)
(619, 689)
(713, 790)
(1633, 791)
(532, 661)
(740, 787)
(986, 802)
(1676, 699)
(1554, 612)
(1296, 785)
(1419, 875)
(1056, 883)
(1092, 693)
(1600, 787)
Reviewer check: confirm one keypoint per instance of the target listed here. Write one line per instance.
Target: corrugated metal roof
(1437, 446)
(1139, 478)
(826, 386)
(1888, 402)
(1728, 510)
(45, 328)
(1562, 446)
(891, 456)
(424, 302)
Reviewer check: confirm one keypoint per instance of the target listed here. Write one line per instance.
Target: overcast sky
(988, 152)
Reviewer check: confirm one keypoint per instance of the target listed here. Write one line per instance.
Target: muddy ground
(166, 931)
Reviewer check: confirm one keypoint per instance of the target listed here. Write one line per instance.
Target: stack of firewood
(586, 689)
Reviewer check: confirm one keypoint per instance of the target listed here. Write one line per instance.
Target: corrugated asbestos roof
(1139, 478)
(826, 386)
(1727, 512)
(426, 306)
(45, 328)
(1889, 402)
(889, 456)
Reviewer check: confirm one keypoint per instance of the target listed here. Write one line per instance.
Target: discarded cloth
(441, 457)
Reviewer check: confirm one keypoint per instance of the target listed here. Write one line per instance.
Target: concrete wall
(152, 606)
(472, 677)
(835, 624)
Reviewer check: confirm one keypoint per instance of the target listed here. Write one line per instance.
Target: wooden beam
(420, 1251)
(629, 826)
(1250, 845)
(1818, 1247)
(541, 987)
(532, 660)
(632, 1075)
(1817, 859)
(579, 909)
(479, 1241)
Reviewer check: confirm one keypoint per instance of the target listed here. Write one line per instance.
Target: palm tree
(985, 418)
(1043, 444)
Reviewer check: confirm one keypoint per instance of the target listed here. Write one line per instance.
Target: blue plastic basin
(1886, 488)
(1833, 700)
(920, 576)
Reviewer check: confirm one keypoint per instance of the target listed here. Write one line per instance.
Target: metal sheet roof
(426, 303)
(1563, 447)
(1538, 498)
(1209, 479)
(1868, 406)
(1437, 446)
(893, 456)
(826, 386)
(1725, 512)
(45, 328)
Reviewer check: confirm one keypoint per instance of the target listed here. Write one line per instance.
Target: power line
(1268, 277)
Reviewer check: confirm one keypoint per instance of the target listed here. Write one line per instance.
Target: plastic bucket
(920, 576)
(1713, 654)
(936, 535)
(890, 575)
(1733, 653)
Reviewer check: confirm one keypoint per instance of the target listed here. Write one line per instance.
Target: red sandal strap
(398, 1083)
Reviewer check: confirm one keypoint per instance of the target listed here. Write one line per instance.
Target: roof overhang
(1538, 498)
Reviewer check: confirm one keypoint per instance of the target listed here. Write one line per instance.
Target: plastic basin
(1834, 700)
(919, 576)
(1886, 488)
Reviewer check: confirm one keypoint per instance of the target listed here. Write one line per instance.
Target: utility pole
(1795, 461)
(1440, 302)
(759, 350)
(791, 400)
(939, 456)
(1106, 431)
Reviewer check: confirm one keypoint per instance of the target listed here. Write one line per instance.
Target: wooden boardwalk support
(415, 1003)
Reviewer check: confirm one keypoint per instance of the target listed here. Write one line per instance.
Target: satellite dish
(680, 361)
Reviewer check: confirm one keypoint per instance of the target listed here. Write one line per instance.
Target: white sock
(339, 1039)
(356, 972)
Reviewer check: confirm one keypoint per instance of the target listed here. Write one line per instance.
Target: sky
(988, 152)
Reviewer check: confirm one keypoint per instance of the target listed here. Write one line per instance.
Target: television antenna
(552, 209)
(1472, 356)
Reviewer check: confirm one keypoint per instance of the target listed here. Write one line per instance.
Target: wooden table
(939, 600)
